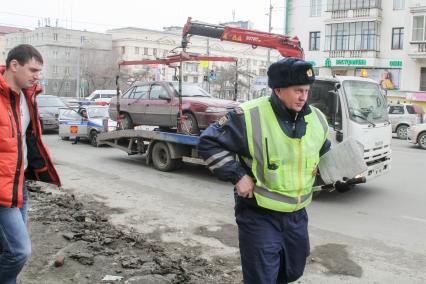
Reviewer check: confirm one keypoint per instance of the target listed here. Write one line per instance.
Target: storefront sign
(348, 62)
(395, 63)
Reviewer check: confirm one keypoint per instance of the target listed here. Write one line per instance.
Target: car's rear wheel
(190, 125)
(162, 159)
(93, 138)
(422, 140)
(402, 132)
(127, 122)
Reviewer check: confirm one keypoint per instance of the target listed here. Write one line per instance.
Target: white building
(137, 44)
(380, 39)
(71, 58)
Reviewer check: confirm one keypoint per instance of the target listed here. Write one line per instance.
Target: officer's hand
(245, 187)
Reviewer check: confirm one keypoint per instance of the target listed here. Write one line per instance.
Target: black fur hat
(290, 71)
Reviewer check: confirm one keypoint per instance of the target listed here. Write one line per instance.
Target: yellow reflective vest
(282, 166)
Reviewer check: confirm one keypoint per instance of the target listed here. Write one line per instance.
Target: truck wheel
(190, 125)
(422, 140)
(162, 159)
(93, 138)
(127, 122)
(401, 132)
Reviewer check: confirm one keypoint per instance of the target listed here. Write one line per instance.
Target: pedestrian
(278, 141)
(83, 113)
(23, 155)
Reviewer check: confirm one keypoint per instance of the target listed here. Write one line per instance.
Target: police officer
(278, 140)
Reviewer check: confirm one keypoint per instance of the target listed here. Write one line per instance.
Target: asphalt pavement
(372, 234)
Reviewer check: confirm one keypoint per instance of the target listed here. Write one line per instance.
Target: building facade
(381, 39)
(71, 58)
(4, 30)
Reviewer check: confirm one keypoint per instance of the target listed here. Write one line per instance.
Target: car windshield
(99, 112)
(366, 103)
(189, 90)
(50, 102)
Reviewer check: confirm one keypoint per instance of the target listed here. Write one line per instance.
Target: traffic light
(212, 75)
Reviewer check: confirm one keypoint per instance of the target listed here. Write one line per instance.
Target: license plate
(73, 129)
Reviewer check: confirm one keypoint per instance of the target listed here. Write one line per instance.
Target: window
(398, 4)
(82, 39)
(128, 93)
(154, 51)
(145, 51)
(316, 8)
(397, 38)
(123, 50)
(191, 67)
(418, 28)
(55, 37)
(341, 5)
(185, 78)
(67, 86)
(140, 92)
(195, 79)
(55, 69)
(67, 70)
(55, 54)
(67, 54)
(314, 41)
(136, 50)
(68, 36)
(156, 91)
(352, 36)
(320, 98)
(396, 110)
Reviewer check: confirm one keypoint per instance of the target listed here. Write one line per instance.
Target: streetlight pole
(270, 29)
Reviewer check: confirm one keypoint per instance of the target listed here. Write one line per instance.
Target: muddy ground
(93, 251)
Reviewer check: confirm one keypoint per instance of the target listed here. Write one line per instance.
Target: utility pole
(77, 91)
(270, 29)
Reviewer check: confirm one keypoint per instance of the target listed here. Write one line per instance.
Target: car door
(158, 109)
(71, 124)
(136, 106)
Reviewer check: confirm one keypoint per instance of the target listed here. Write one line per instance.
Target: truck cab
(355, 107)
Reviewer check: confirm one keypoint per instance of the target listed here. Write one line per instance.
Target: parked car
(73, 124)
(403, 116)
(157, 104)
(70, 101)
(102, 95)
(48, 107)
(417, 135)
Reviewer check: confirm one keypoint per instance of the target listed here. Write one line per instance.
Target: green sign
(351, 62)
(395, 63)
(327, 62)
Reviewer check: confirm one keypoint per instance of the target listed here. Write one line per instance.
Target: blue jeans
(15, 243)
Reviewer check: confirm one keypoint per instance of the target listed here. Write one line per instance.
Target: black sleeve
(325, 147)
(221, 142)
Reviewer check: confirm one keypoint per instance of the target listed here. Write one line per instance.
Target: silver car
(72, 124)
(417, 135)
(403, 116)
(48, 109)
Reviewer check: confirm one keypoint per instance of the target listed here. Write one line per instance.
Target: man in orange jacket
(23, 155)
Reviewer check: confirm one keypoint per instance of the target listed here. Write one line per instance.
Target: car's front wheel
(402, 132)
(93, 138)
(422, 140)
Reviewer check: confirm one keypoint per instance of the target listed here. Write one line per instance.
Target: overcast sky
(100, 15)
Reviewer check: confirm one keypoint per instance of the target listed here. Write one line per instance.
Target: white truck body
(356, 108)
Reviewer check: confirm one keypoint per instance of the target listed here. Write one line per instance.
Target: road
(372, 234)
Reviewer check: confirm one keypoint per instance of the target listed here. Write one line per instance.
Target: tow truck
(355, 107)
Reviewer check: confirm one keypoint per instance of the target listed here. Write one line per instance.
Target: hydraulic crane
(287, 46)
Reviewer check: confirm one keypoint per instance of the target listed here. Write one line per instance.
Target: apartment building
(380, 39)
(71, 58)
(4, 30)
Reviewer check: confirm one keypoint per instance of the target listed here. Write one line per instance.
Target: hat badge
(309, 72)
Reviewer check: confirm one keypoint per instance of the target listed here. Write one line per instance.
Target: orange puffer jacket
(40, 166)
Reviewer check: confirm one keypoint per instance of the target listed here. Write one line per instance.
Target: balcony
(417, 50)
(354, 15)
(353, 54)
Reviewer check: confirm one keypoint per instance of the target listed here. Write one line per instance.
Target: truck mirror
(334, 107)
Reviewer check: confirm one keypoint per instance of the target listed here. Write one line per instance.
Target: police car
(73, 122)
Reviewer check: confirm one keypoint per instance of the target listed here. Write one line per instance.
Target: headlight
(216, 109)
